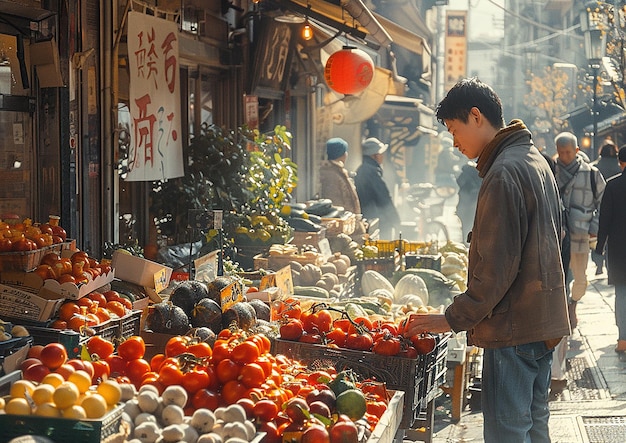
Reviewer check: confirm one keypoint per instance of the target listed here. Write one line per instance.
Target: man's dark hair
(608, 149)
(467, 94)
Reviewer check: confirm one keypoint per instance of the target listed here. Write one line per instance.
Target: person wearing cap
(376, 201)
(515, 306)
(611, 233)
(335, 180)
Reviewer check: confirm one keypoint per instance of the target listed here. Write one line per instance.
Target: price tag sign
(283, 280)
(206, 267)
(231, 294)
(267, 281)
(217, 218)
(160, 280)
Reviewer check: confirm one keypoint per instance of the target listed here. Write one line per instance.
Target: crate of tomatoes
(374, 350)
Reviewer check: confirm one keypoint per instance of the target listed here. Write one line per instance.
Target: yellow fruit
(95, 406)
(42, 394)
(20, 387)
(81, 379)
(17, 406)
(75, 412)
(111, 391)
(65, 395)
(53, 379)
(2, 403)
(47, 410)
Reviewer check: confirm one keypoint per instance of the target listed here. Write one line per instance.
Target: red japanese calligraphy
(171, 65)
(144, 126)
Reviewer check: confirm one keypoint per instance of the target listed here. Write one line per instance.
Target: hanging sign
(156, 151)
(455, 66)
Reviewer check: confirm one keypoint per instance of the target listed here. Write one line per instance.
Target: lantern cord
(320, 45)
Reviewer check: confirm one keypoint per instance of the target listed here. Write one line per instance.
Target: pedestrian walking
(581, 186)
(374, 196)
(611, 233)
(515, 305)
(608, 166)
(336, 182)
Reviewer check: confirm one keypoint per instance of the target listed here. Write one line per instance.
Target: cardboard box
(139, 270)
(52, 289)
(13, 361)
(20, 304)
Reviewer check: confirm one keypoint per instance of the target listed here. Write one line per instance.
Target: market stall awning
(407, 112)
(352, 16)
(581, 118)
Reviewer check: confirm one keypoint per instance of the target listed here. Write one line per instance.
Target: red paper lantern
(349, 71)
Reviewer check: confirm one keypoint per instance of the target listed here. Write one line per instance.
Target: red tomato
(319, 322)
(245, 352)
(100, 346)
(310, 338)
(408, 352)
(117, 365)
(424, 343)
(221, 351)
(136, 369)
(176, 345)
(343, 324)
(387, 345)
(156, 362)
(265, 410)
(206, 398)
(272, 435)
(291, 330)
(252, 375)
(337, 336)
(170, 375)
(364, 322)
(262, 342)
(359, 342)
(227, 370)
(289, 308)
(195, 380)
(376, 408)
(101, 371)
(53, 355)
(200, 350)
(319, 377)
(232, 391)
(132, 348)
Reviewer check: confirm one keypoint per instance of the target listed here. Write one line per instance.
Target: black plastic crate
(408, 375)
(71, 340)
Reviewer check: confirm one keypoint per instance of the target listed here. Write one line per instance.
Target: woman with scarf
(515, 305)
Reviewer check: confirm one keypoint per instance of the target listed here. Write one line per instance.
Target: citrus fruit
(42, 394)
(65, 395)
(20, 387)
(351, 403)
(95, 406)
(17, 406)
(111, 391)
(75, 412)
(48, 409)
(81, 379)
(53, 379)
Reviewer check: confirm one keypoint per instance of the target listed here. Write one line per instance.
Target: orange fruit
(48, 409)
(17, 406)
(53, 379)
(68, 310)
(20, 388)
(111, 391)
(81, 379)
(95, 406)
(75, 412)
(43, 394)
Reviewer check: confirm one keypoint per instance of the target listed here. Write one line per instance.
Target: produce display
(94, 309)
(24, 235)
(79, 268)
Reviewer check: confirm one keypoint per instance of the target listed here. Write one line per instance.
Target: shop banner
(156, 149)
(455, 66)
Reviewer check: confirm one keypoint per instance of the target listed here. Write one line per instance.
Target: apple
(6, 245)
(24, 244)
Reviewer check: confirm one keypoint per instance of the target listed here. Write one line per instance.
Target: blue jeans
(515, 383)
(620, 310)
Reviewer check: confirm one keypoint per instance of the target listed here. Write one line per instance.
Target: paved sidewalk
(592, 409)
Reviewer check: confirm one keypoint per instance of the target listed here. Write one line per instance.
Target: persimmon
(116, 307)
(68, 310)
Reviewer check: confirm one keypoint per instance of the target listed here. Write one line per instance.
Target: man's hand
(420, 323)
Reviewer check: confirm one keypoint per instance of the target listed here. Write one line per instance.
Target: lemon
(2, 403)
(42, 394)
(95, 406)
(75, 412)
(17, 406)
(111, 391)
(81, 379)
(351, 403)
(48, 409)
(65, 395)
(21, 387)
(53, 379)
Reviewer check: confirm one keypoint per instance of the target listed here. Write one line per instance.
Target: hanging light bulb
(307, 31)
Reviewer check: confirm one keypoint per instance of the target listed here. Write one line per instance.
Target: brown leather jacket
(516, 292)
(337, 185)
